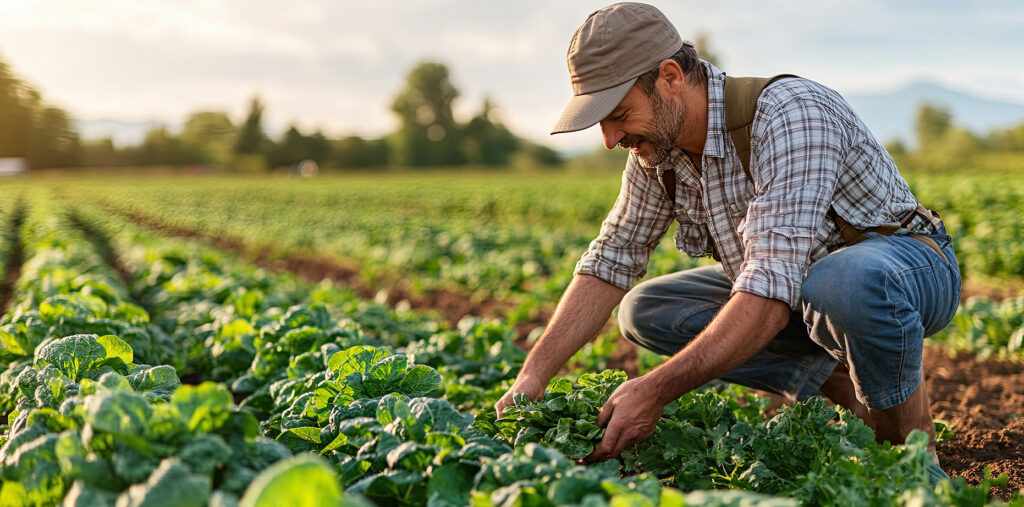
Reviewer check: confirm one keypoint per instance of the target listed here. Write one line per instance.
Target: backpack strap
(741, 95)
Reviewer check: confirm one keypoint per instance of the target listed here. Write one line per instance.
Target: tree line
(32, 129)
(942, 144)
(428, 135)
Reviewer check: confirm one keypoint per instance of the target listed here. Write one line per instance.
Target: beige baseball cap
(607, 53)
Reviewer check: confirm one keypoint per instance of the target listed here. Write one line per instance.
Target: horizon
(162, 60)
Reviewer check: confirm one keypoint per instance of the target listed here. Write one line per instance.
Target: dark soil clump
(983, 401)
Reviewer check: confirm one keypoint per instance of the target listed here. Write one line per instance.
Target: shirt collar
(714, 145)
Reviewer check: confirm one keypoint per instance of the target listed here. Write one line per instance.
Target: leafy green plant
(564, 419)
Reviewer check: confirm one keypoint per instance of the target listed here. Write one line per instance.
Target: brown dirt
(983, 400)
(992, 288)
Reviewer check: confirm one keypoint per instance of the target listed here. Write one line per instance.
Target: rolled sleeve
(634, 226)
(798, 146)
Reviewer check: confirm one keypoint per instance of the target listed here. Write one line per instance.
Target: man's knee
(632, 315)
(843, 294)
(663, 321)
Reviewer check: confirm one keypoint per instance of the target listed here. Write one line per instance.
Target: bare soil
(983, 400)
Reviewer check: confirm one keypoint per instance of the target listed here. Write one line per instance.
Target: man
(789, 309)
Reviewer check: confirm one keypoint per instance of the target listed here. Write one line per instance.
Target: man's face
(648, 126)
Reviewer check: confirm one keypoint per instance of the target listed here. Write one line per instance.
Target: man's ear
(670, 71)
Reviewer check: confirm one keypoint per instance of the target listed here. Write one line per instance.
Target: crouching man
(831, 274)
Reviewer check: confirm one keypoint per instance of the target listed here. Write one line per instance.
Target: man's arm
(580, 315)
(741, 329)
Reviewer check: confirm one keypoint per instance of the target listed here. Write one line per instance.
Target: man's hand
(629, 416)
(530, 386)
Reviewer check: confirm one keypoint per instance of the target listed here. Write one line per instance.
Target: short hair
(687, 59)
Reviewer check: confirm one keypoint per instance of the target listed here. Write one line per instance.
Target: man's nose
(611, 134)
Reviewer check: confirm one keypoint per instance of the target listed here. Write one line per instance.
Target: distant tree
(17, 101)
(160, 147)
(100, 153)
(533, 155)
(251, 145)
(427, 133)
(703, 45)
(295, 147)
(213, 134)
(896, 148)
(599, 160)
(31, 129)
(486, 141)
(251, 139)
(354, 152)
(931, 123)
(959, 143)
(1011, 139)
(54, 141)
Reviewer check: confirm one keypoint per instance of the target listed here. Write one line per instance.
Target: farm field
(250, 338)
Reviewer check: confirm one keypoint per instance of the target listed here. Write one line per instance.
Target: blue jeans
(869, 305)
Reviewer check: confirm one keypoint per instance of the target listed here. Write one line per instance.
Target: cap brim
(584, 111)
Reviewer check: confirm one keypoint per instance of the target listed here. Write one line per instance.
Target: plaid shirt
(809, 151)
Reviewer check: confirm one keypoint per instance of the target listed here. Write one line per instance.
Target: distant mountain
(890, 115)
(124, 133)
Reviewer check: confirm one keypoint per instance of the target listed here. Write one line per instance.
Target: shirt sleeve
(633, 228)
(798, 146)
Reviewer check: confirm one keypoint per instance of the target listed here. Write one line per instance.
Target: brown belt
(851, 235)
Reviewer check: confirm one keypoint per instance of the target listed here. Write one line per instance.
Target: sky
(336, 65)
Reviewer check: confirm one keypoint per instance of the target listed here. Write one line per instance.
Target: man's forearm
(741, 329)
(581, 313)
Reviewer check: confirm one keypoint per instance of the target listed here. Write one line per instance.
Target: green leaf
(307, 433)
(358, 359)
(170, 484)
(411, 456)
(12, 344)
(577, 449)
(420, 381)
(85, 495)
(562, 431)
(449, 485)
(556, 404)
(155, 382)
(386, 408)
(115, 347)
(385, 374)
(300, 481)
(560, 386)
(72, 355)
(338, 441)
(122, 413)
(329, 393)
(204, 407)
(205, 454)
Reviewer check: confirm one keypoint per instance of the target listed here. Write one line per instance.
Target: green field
(140, 365)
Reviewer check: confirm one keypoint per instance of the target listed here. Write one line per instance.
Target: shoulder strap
(741, 95)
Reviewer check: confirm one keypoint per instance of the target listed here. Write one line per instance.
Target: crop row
(369, 400)
(517, 239)
(501, 234)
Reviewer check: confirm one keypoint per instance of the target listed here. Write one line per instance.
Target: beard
(668, 121)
